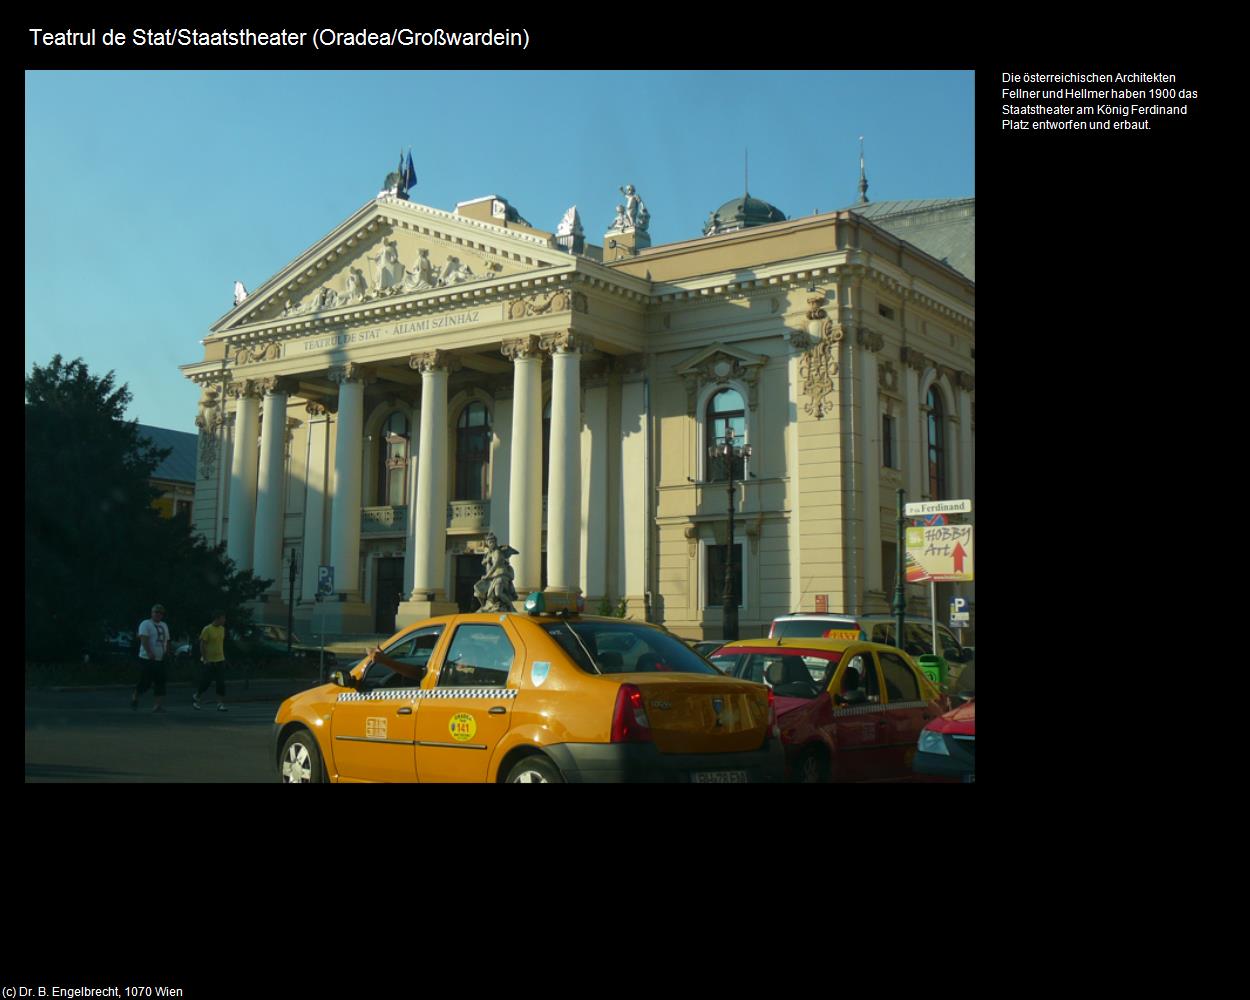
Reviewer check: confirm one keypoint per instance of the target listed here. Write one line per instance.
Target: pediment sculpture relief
(389, 276)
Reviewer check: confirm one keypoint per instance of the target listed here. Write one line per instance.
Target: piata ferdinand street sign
(927, 507)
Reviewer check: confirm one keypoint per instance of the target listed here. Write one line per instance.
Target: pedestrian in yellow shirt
(213, 658)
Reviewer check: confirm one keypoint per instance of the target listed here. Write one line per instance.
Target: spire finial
(863, 177)
(746, 172)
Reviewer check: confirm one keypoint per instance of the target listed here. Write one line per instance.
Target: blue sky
(148, 193)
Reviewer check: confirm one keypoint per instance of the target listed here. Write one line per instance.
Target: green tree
(97, 553)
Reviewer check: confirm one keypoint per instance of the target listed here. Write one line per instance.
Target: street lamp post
(730, 453)
(290, 610)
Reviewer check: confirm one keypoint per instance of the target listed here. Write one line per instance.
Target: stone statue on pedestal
(495, 591)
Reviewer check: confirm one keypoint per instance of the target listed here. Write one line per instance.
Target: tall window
(889, 450)
(472, 452)
(716, 568)
(725, 410)
(393, 461)
(937, 447)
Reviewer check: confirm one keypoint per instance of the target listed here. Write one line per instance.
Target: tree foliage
(98, 554)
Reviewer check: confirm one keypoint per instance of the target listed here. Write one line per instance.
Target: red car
(847, 710)
(947, 746)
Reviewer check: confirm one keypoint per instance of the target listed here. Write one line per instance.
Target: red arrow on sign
(959, 558)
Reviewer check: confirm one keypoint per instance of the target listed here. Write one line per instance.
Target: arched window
(393, 462)
(472, 452)
(937, 446)
(725, 411)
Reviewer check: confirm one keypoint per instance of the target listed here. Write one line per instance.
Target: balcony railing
(462, 515)
(470, 514)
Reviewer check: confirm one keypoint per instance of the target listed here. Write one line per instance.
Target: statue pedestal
(411, 612)
(621, 243)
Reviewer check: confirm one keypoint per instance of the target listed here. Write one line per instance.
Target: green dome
(741, 213)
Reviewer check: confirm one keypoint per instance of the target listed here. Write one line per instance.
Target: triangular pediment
(731, 361)
(391, 249)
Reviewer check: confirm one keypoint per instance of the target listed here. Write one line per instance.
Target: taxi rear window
(624, 649)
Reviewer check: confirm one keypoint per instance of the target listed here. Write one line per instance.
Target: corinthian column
(526, 500)
(243, 474)
(564, 484)
(345, 483)
(429, 524)
(269, 501)
(870, 343)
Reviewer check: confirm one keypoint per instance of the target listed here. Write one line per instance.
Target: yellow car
(530, 697)
(848, 710)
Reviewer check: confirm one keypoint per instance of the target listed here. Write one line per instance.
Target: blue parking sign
(960, 615)
(325, 580)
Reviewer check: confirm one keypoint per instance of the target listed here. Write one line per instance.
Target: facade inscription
(402, 328)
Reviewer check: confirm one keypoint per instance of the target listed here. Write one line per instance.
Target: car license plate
(719, 777)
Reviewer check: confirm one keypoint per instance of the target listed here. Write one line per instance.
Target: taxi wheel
(813, 768)
(301, 760)
(535, 768)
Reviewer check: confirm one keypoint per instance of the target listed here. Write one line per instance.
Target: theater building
(421, 378)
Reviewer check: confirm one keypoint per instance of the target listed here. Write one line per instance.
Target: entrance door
(468, 572)
(387, 594)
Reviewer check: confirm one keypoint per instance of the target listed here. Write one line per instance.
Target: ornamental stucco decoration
(870, 341)
(541, 305)
(565, 341)
(350, 372)
(966, 382)
(255, 354)
(887, 377)
(209, 416)
(208, 420)
(316, 409)
(243, 389)
(389, 276)
(720, 368)
(521, 347)
(818, 368)
(912, 358)
(432, 361)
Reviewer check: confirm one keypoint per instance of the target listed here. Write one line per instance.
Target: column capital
(565, 342)
(275, 386)
(912, 358)
(521, 347)
(432, 361)
(350, 372)
(318, 409)
(247, 388)
(965, 381)
(869, 340)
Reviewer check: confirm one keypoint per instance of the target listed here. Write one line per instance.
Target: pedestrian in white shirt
(153, 643)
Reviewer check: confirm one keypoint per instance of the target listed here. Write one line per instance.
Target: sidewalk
(275, 689)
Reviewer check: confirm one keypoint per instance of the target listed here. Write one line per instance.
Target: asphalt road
(95, 736)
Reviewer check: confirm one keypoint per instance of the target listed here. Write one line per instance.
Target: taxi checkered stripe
(408, 694)
(872, 709)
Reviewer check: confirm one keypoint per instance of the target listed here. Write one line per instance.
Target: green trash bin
(933, 667)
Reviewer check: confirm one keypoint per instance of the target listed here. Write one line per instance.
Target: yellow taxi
(530, 697)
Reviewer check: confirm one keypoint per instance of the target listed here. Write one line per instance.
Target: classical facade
(420, 379)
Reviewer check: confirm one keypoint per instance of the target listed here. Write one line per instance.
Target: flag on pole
(410, 174)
